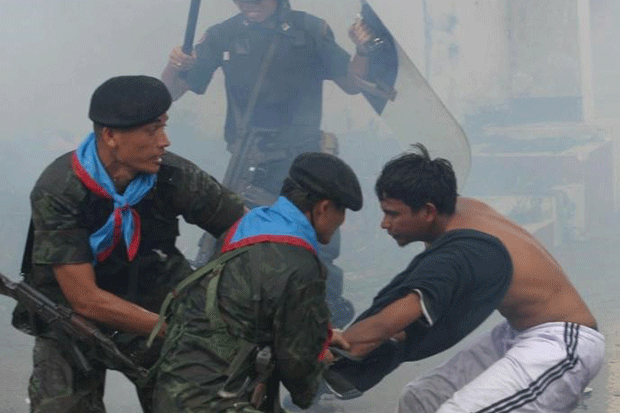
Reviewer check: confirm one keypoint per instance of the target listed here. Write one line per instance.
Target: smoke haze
(520, 99)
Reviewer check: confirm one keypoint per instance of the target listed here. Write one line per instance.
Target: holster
(264, 368)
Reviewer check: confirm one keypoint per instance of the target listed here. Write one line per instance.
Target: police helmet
(327, 176)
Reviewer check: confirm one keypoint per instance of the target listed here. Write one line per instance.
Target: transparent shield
(418, 115)
(413, 111)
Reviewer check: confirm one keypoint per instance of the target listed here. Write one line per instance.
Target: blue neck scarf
(282, 222)
(124, 220)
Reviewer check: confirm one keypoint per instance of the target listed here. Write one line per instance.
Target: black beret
(127, 101)
(327, 176)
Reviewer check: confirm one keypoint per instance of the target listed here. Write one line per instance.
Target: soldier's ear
(109, 137)
(322, 206)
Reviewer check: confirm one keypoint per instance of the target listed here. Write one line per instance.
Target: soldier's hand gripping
(338, 345)
(338, 340)
(180, 61)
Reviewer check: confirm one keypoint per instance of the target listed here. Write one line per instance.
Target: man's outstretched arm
(369, 333)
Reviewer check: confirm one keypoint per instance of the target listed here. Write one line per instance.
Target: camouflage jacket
(65, 213)
(292, 318)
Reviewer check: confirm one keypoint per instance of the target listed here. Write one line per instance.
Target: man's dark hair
(300, 197)
(415, 179)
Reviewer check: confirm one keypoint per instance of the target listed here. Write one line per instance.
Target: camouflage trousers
(56, 386)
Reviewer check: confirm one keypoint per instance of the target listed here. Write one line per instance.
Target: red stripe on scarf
(231, 232)
(103, 255)
(86, 179)
(132, 250)
(330, 334)
(279, 239)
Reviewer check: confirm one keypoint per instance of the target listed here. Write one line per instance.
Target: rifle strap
(213, 268)
(243, 120)
(195, 276)
(246, 350)
(213, 315)
(212, 312)
(256, 290)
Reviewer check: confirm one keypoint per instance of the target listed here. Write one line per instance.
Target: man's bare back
(540, 291)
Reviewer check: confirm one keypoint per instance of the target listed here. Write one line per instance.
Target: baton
(190, 30)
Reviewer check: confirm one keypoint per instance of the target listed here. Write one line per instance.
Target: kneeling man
(538, 360)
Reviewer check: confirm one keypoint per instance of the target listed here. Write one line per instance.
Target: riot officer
(274, 61)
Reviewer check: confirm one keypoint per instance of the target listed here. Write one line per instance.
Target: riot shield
(401, 96)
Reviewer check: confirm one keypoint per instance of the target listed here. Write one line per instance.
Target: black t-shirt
(462, 277)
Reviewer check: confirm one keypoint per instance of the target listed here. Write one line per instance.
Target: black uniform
(291, 93)
(286, 116)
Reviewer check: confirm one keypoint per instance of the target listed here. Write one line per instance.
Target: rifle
(67, 325)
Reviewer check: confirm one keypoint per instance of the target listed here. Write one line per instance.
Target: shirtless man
(538, 360)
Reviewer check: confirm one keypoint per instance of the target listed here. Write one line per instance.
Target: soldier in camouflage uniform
(277, 115)
(104, 225)
(266, 291)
